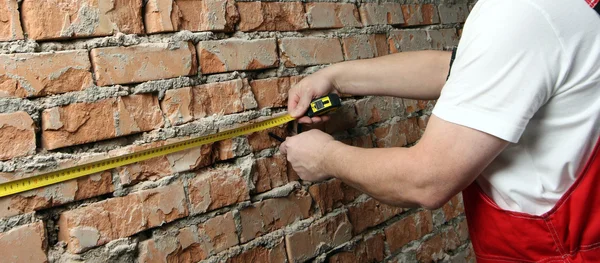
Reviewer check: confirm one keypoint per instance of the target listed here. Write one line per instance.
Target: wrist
(329, 163)
(333, 75)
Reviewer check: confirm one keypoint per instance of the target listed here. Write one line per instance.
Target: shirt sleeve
(506, 68)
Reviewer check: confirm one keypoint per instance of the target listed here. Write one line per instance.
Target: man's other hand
(307, 153)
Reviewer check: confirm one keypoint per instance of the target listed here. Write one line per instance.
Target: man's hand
(309, 88)
(307, 153)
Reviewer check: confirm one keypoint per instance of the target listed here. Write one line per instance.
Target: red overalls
(570, 232)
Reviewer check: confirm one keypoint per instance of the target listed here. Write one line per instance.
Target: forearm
(416, 75)
(392, 175)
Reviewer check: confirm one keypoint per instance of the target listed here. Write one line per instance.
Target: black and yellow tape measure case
(323, 105)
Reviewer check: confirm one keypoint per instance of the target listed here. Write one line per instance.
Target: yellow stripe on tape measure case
(45, 179)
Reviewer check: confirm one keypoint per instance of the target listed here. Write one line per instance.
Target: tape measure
(62, 175)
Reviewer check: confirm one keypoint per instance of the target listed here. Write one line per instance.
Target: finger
(305, 120)
(316, 119)
(302, 105)
(293, 99)
(325, 118)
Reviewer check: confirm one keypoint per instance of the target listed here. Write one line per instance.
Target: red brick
(271, 172)
(377, 109)
(177, 105)
(332, 15)
(272, 214)
(332, 194)
(261, 140)
(60, 19)
(275, 253)
(10, 25)
(415, 15)
(122, 65)
(191, 244)
(412, 227)
(58, 194)
(271, 92)
(216, 188)
(17, 135)
(381, 14)
(453, 208)
(30, 75)
(417, 105)
(455, 13)
(122, 217)
(364, 46)
(435, 248)
(222, 98)
(329, 232)
(370, 213)
(462, 230)
(231, 148)
(443, 38)
(307, 51)
(398, 134)
(369, 250)
(271, 16)
(159, 167)
(89, 122)
(408, 40)
(419, 39)
(365, 141)
(192, 15)
(237, 54)
(24, 244)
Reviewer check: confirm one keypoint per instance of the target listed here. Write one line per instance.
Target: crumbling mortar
(8, 223)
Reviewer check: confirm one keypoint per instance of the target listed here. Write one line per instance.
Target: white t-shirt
(528, 72)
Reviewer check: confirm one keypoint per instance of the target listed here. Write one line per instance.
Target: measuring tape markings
(53, 177)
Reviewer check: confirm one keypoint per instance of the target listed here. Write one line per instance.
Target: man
(515, 128)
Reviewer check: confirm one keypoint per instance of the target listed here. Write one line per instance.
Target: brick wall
(88, 79)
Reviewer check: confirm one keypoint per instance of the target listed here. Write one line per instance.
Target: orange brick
(192, 15)
(121, 217)
(364, 46)
(122, 65)
(216, 188)
(17, 135)
(370, 213)
(370, 249)
(89, 122)
(274, 253)
(191, 244)
(261, 140)
(237, 54)
(60, 19)
(417, 14)
(453, 208)
(25, 243)
(10, 24)
(332, 194)
(332, 15)
(307, 51)
(419, 39)
(272, 214)
(222, 98)
(412, 227)
(381, 14)
(271, 172)
(398, 134)
(435, 248)
(271, 16)
(31, 75)
(329, 232)
(271, 92)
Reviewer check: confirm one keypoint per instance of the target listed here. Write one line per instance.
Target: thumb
(302, 105)
(283, 147)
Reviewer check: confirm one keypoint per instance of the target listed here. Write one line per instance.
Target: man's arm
(445, 161)
(415, 75)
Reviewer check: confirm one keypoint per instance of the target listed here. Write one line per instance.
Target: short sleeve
(506, 68)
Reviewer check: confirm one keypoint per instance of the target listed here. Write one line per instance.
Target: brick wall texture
(88, 79)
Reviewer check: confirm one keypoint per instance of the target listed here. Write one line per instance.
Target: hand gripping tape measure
(318, 107)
